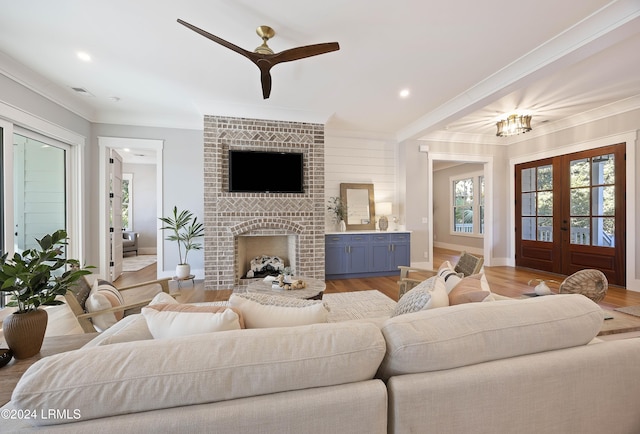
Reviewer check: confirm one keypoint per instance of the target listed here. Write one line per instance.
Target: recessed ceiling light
(85, 57)
(404, 93)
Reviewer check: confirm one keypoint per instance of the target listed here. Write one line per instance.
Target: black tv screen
(265, 172)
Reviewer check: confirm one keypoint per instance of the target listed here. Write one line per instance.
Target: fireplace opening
(250, 247)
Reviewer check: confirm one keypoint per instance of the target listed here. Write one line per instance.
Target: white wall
(353, 158)
(145, 218)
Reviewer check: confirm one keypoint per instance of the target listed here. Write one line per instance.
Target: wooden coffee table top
(12, 372)
(621, 323)
(314, 288)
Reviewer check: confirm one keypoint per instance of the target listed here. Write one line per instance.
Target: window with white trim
(467, 204)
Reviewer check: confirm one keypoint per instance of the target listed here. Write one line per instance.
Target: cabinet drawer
(358, 239)
(380, 238)
(400, 237)
(335, 239)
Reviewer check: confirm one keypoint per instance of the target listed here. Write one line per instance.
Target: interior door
(570, 213)
(115, 213)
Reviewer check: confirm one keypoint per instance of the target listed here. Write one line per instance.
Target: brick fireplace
(231, 217)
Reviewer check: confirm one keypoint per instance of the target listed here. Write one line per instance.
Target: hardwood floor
(507, 281)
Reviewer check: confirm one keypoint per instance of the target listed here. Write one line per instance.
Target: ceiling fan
(263, 56)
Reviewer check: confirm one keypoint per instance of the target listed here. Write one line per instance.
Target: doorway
(132, 147)
(570, 213)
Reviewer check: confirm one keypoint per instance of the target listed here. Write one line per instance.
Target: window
(127, 201)
(467, 205)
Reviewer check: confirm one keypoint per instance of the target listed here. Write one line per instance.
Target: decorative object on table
(288, 274)
(186, 229)
(384, 209)
(36, 278)
(287, 284)
(5, 356)
(542, 288)
(338, 208)
(591, 283)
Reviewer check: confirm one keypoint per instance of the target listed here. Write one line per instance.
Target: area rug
(344, 306)
(631, 310)
(136, 263)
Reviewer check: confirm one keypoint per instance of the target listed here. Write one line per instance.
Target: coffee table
(620, 323)
(313, 291)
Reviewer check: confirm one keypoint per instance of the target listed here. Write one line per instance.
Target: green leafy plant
(338, 208)
(185, 228)
(36, 277)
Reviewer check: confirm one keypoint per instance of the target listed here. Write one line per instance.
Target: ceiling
(466, 63)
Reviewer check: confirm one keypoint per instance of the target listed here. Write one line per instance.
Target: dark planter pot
(24, 332)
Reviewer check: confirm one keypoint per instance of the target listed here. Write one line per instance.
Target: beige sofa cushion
(473, 333)
(147, 375)
(175, 320)
(267, 310)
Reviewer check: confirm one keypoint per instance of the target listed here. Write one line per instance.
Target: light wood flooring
(507, 281)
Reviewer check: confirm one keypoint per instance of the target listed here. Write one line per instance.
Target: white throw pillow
(264, 310)
(429, 294)
(163, 298)
(450, 277)
(103, 296)
(170, 324)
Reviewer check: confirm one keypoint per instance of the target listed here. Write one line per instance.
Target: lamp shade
(384, 208)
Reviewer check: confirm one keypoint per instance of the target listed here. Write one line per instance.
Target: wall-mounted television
(265, 172)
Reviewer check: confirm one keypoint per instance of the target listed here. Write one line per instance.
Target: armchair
(99, 305)
(129, 242)
(467, 265)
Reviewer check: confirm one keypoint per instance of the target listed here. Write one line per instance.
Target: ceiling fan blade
(214, 38)
(303, 52)
(265, 78)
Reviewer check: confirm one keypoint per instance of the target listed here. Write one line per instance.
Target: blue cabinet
(366, 254)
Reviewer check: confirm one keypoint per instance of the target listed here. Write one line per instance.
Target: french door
(570, 213)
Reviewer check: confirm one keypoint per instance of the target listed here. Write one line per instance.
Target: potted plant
(185, 228)
(339, 210)
(35, 277)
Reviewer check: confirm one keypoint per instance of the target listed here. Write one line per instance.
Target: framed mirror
(360, 206)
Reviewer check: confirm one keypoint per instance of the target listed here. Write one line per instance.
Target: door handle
(563, 229)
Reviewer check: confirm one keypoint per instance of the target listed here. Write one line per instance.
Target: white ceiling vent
(81, 91)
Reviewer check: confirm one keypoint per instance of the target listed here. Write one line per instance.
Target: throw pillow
(429, 294)
(163, 298)
(265, 310)
(179, 307)
(175, 320)
(450, 277)
(104, 296)
(471, 289)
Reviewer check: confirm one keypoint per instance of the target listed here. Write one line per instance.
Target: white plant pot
(183, 271)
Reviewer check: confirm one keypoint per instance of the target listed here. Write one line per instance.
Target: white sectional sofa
(514, 366)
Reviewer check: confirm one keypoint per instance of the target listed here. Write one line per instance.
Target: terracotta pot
(24, 332)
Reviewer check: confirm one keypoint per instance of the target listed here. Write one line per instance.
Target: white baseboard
(472, 250)
(147, 251)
